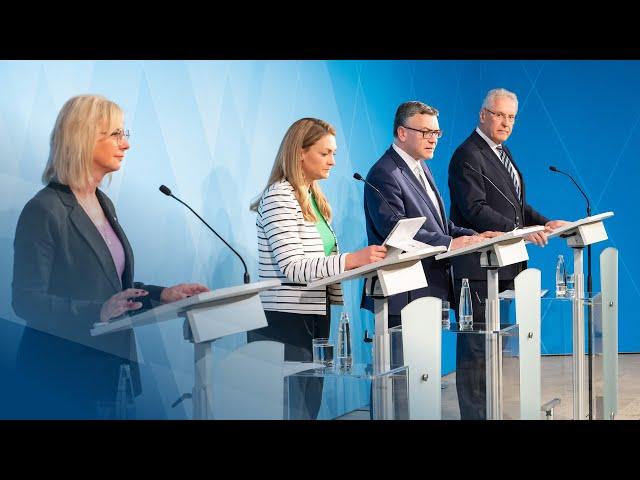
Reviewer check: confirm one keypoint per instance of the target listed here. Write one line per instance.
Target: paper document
(404, 231)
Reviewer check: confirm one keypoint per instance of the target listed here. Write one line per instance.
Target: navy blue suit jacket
(475, 203)
(407, 196)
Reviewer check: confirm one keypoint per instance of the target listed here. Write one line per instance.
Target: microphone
(515, 210)
(357, 176)
(554, 169)
(168, 193)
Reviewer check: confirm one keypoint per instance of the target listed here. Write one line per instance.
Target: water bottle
(561, 278)
(465, 309)
(344, 342)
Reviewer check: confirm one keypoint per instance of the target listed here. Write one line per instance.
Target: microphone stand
(167, 192)
(589, 307)
(589, 326)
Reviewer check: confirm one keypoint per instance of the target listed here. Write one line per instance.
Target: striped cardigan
(291, 250)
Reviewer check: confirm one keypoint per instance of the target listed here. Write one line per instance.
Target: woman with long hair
(297, 245)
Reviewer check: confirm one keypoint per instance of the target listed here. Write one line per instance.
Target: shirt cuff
(343, 262)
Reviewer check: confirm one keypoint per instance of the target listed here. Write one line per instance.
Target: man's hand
(539, 238)
(490, 234)
(465, 241)
(550, 226)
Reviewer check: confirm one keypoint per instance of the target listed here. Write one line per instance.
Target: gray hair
(499, 92)
(409, 109)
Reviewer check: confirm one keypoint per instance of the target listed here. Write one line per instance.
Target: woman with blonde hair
(297, 245)
(73, 267)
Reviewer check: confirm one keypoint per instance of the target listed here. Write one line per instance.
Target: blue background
(210, 131)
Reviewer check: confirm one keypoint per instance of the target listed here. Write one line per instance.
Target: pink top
(115, 247)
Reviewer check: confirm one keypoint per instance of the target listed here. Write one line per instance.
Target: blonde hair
(301, 135)
(73, 138)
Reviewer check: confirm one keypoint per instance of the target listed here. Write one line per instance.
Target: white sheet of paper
(404, 231)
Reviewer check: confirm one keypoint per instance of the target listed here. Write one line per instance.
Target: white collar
(411, 162)
(490, 142)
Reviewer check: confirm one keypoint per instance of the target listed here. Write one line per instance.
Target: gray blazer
(62, 274)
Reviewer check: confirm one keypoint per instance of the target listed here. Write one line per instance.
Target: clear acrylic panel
(338, 382)
(557, 363)
(594, 311)
(604, 361)
(507, 339)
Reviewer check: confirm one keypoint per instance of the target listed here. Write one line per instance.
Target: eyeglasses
(119, 134)
(426, 133)
(502, 116)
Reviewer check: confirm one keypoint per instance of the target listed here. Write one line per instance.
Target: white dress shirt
(416, 167)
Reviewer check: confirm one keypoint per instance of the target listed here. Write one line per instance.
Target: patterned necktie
(504, 158)
(417, 172)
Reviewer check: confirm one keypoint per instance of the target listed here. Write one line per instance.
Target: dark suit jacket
(403, 191)
(63, 272)
(475, 203)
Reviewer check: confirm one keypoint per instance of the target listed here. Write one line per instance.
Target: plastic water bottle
(344, 342)
(561, 278)
(465, 308)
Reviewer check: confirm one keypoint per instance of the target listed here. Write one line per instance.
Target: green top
(328, 238)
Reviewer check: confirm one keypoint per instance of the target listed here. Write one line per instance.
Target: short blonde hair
(73, 138)
(300, 136)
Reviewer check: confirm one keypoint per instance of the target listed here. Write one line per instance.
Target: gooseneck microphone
(554, 169)
(515, 210)
(168, 193)
(357, 176)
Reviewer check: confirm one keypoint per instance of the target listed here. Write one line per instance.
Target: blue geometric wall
(210, 130)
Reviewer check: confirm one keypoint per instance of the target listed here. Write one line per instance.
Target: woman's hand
(120, 303)
(180, 291)
(370, 254)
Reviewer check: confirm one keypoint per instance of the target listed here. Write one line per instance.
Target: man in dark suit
(408, 185)
(477, 204)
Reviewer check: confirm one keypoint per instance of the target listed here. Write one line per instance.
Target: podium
(579, 234)
(397, 273)
(495, 253)
(208, 316)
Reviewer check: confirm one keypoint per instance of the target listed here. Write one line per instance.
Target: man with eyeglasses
(478, 201)
(406, 182)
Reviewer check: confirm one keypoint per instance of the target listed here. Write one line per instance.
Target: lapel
(493, 160)
(432, 182)
(88, 231)
(417, 186)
